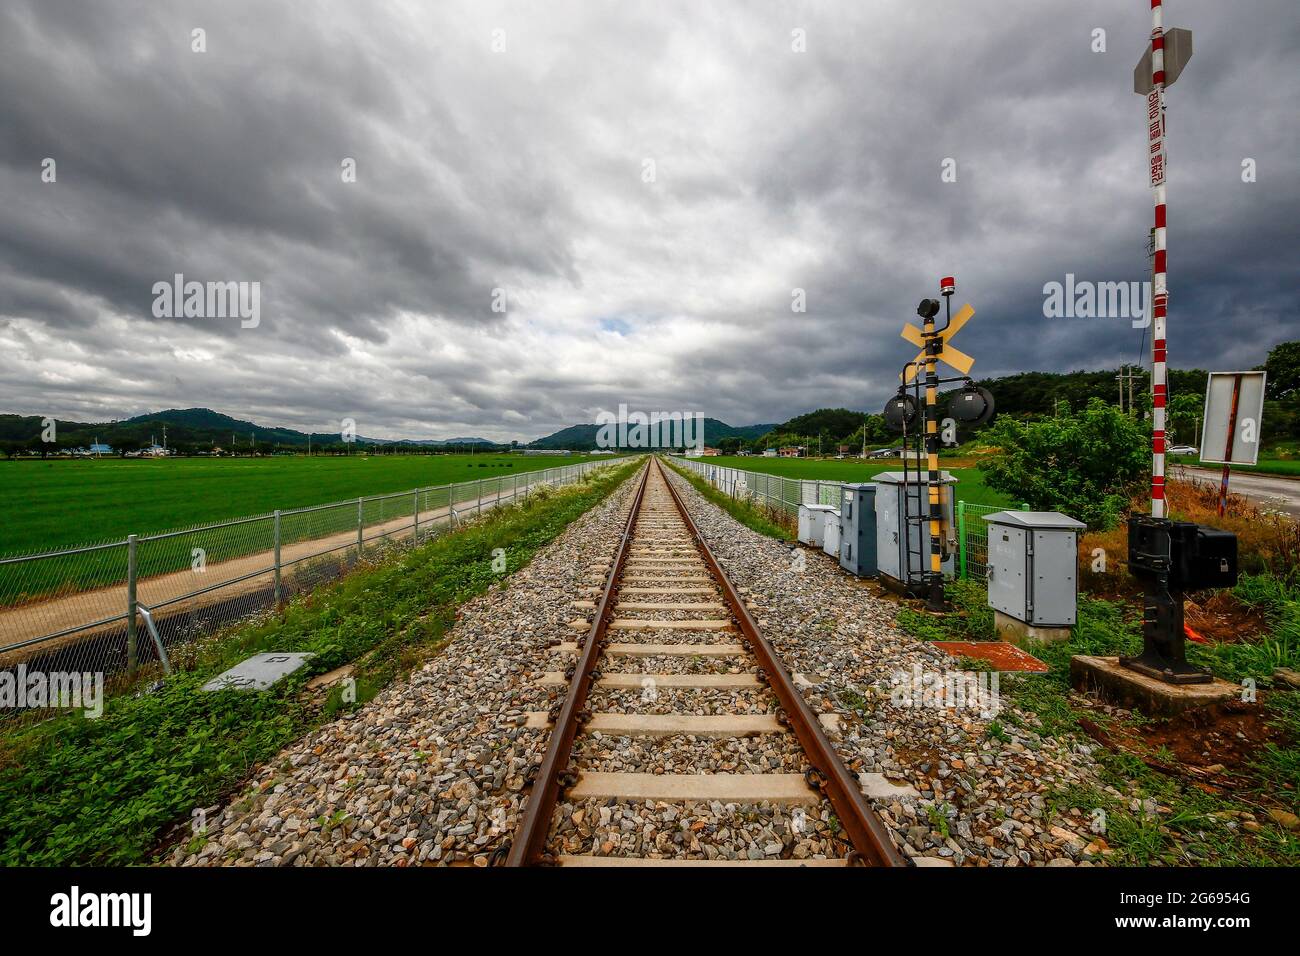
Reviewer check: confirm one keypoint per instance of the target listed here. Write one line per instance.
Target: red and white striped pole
(1159, 287)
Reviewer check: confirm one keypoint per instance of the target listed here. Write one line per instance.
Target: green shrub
(1086, 464)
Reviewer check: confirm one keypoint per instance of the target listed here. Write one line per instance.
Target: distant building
(710, 452)
(769, 452)
(547, 451)
(99, 449)
(792, 451)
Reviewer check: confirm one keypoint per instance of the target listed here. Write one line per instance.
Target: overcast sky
(508, 146)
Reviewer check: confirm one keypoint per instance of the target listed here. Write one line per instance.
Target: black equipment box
(1194, 556)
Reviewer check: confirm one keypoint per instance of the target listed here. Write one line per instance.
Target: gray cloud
(522, 170)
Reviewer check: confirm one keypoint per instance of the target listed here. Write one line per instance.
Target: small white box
(812, 522)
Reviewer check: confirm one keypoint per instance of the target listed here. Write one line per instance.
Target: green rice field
(53, 504)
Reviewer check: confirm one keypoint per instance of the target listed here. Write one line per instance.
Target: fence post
(360, 526)
(961, 539)
(278, 592)
(478, 493)
(131, 656)
(415, 532)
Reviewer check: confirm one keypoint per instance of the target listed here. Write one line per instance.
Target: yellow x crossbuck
(952, 356)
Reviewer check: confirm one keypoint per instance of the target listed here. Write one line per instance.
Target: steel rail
(868, 834)
(529, 840)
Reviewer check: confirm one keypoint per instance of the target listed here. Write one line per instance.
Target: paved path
(1268, 491)
(36, 620)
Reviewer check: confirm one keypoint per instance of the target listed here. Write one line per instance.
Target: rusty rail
(530, 839)
(866, 832)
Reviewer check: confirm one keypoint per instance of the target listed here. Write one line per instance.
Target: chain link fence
(786, 494)
(142, 604)
(774, 492)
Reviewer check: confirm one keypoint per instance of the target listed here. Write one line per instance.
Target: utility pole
(1159, 67)
(1151, 539)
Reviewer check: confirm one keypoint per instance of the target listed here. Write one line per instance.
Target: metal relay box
(901, 544)
(858, 529)
(1033, 566)
(831, 534)
(812, 524)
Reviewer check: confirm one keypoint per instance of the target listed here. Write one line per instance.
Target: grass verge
(76, 791)
(1155, 813)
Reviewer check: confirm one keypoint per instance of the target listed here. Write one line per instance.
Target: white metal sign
(1234, 409)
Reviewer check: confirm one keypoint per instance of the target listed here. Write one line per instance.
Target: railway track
(665, 603)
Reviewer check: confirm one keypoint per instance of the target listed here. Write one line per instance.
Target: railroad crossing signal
(947, 353)
(902, 410)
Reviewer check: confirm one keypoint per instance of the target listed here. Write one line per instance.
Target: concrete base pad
(1127, 688)
(1020, 633)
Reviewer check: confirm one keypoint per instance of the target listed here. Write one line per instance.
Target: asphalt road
(1269, 491)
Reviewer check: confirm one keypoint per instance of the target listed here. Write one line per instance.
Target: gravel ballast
(946, 788)
(432, 771)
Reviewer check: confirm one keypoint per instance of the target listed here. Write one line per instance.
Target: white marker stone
(259, 672)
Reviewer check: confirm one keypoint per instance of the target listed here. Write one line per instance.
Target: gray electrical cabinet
(858, 529)
(1032, 566)
(901, 544)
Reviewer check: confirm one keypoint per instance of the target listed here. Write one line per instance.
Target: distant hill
(191, 429)
(583, 437)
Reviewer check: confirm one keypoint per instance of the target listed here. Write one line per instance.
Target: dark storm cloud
(523, 170)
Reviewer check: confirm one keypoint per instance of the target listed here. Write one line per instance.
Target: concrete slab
(633, 624)
(641, 577)
(674, 650)
(635, 590)
(258, 672)
(1105, 677)
(784, 788)
(680, 606)
(637, 681)
(1020, 633)
(667, 725)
